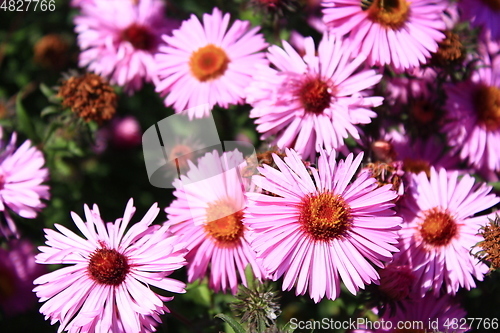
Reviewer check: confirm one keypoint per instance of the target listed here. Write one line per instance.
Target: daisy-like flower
(312, 101)
(316, 231)
(425, 314)
(441, 229)
(208, 214)
(419, 154)
(208, 63)
(119, 38)
(398, 33)
(484, 14)
(106, 287)
(472, 119)
(21, 177)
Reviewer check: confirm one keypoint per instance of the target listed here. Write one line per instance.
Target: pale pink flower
(472, 119)
(119, 38)
(208, 63)
(126, 132)
(208, 216)
(21, 177)
(18, 269)
(314, 231)
(312, 101)
(399, 33)
(441, 230)
(80, 3)
(105, 286)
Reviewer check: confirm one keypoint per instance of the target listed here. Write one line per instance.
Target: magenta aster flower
(207, 215)
(315, 231)
(18, 269)
(472, 119)
(21, 178)
(420, 154)
(312, 101)
(399, 33)
(106, 287)
(425, 314)
(208, 63)
(441, 229)
(119, 38)
(484, 14)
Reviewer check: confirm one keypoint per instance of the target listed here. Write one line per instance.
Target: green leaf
(49, 110)
(46, 90)
(250, 277)
(496, 186)
(24, 122)
(287, 328)
(232, 322)
(199, 294)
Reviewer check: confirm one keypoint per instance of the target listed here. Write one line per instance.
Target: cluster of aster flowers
(378, 139)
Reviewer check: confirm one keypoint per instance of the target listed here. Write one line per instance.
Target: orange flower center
(325, 216)
(493, 4)
(415, 165)
(139, 36)
(391, 14)
(108, 266)
(438, 227)
(423, 111)
(314, 95)
(487, 104)
(224, 223)
(208, 63)
(181, 154)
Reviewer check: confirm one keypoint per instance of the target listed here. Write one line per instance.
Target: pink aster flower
(118, 39)
(207, 215)
(312, 101)
(106, 285)
(426, 314)
(399, 33)
(21, 178)
(484, 14)
(315, 231)
(80, 3)
(18, 269)
(441, 229)
(208, 63)
(420, 154)
(472, 119)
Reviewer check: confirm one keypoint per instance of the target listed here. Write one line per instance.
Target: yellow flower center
(208, 63)
(487, 104)
(391, 14)
(224, 223)
(438, 227)
(325, 216)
